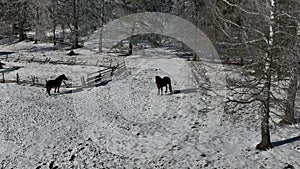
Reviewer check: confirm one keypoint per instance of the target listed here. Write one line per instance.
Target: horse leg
(166, 89)
(161, 90)
(170, 88)
(55, 89)
(48, 90)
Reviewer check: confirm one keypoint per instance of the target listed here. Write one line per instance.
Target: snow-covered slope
(125, 124)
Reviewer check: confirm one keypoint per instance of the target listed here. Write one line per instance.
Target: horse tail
(48, 87)
(170, 86)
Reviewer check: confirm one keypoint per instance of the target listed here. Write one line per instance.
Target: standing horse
(55, 83)
(161, 82)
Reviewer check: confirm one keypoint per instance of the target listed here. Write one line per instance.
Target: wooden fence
(91, 80)
(33, 81)
(56, 61)
(102, 75)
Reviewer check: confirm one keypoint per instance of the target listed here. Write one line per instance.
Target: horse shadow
(80, 89)
(287, 141)
(103, 83)
(186, 91)
(77, 90)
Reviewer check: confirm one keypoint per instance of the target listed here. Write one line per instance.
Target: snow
(125, 124)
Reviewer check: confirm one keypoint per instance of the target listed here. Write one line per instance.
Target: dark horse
(55, 83)
(161, 82)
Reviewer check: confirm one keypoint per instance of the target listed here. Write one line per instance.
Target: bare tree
(19, 15)
(102, 5)
(54, 16)
(75, 23)
(40, 22)
(254, 26)
(290, 17)
(291, 67)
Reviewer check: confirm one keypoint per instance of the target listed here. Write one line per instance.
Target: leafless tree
(18, 15)
(254, 28)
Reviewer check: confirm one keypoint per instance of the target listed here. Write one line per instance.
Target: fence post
(100, 77)
(34, 78)
(18, 78)
(82, 81)
(3, 80)
(112, 71)
(110, 63)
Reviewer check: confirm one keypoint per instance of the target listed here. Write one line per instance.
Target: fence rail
(55, 61)
(92, 78)
(34, 81)
(104, 74)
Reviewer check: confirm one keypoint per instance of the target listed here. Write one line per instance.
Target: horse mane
(158, 79)
(61, 77)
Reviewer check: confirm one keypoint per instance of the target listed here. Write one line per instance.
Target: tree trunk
(131, 39)
(195, 20)
(54, 35)
(101, 27)
(100, 40)
(76, 35)
(289, 114)
(37, 25)
(22, 34)
(63, 27)
(265, 143)
(21, 21)
(54, 23)
(75, 24)
(130, 46)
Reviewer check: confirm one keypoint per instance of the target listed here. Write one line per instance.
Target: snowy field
(125, 124)
(26, 51)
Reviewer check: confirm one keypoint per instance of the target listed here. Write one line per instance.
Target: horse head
(63, 77)
(158, 79)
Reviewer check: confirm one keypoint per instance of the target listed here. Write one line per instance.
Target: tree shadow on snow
(5, 53)
(11, 69)
(287, 141)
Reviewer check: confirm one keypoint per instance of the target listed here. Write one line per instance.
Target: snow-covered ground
(25, 51)
(125, 124)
